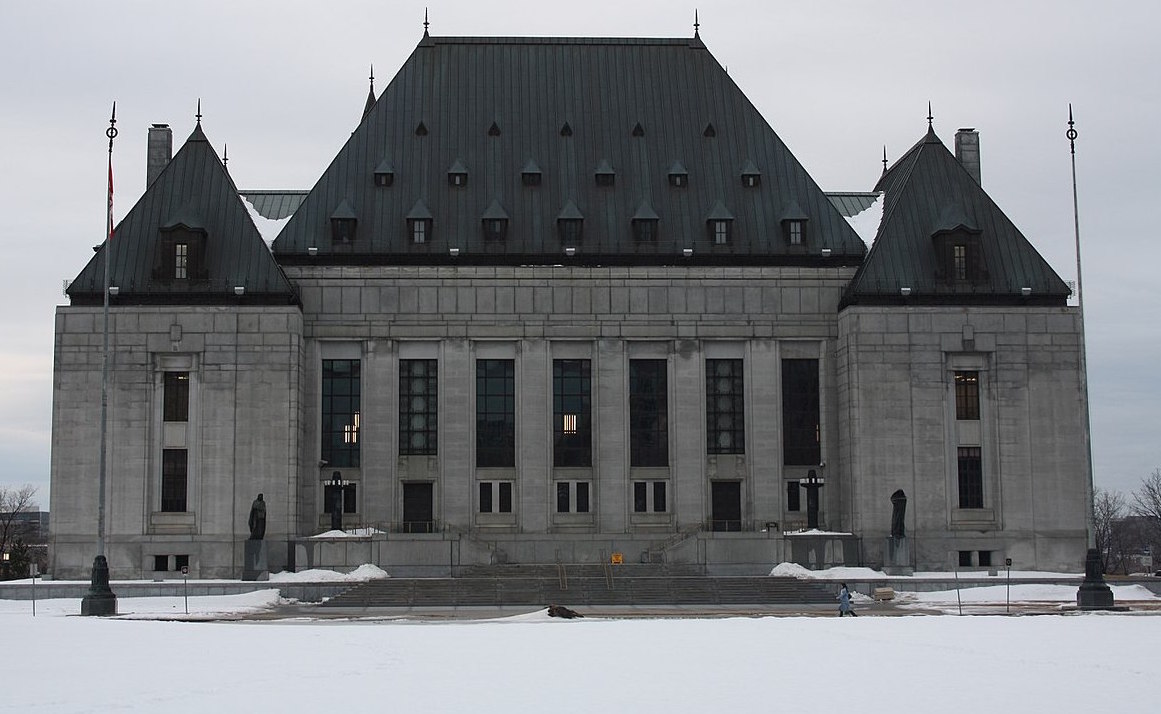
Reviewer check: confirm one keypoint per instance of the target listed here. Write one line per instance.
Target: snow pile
(353, 533)
(866, 224)
(815, 532)
(268, 228)
(360, 574)
(791, 570)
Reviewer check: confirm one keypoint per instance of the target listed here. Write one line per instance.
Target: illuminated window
(572, 421)
(340, 412)
(967, 396)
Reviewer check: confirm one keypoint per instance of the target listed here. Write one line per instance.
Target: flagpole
(100, 599)
(1094, 593)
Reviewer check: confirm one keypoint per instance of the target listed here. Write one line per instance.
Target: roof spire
(225, 156)
(370, 95)
(696, 24)
(199, 114)
(425, 23)
(1071, 133)
(884, 158)
(929, 117)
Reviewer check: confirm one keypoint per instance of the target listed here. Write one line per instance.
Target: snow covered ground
(532, 663)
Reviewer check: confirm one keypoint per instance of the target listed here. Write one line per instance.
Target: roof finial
(111, 132)
(929, 117)
(199, 114)
(425, 23)
(225, 155)
(696, 24)
(1071, 133)
(884, 158)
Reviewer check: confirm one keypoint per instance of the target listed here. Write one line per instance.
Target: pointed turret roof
(928, 195)
(194, 193)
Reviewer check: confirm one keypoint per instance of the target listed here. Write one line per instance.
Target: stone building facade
(511, 324)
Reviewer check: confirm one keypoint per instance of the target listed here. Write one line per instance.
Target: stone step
(583, 590)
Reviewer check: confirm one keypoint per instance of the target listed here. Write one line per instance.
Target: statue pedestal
(897, 556)
(254, 564)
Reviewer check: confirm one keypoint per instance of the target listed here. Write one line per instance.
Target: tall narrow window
(959, 262)
(571, 412)
(971, 477)
(648, 413)
(793, 496)
(725, 407)
(967, 395)
(420, 230)
(800, 412)
(495, 413)
(720, 232)
(794, 232)
(174, 480)
(340, 412)
(181, 261)
(418, 408)
(175, 398)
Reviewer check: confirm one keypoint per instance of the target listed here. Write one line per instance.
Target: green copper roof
(192, 192)
(639, 107)
(928, 195)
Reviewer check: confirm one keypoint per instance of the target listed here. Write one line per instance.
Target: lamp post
(100, 599)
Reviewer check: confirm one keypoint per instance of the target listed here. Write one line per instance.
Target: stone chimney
(967, 151)
(160, 151)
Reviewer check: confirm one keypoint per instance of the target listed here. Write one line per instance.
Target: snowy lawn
(531, 663)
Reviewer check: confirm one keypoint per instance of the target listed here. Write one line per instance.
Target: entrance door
(417, 511)
(726, 505)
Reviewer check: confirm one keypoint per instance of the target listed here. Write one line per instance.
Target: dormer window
(751, 176)
(795, 230)
(678, 176)
(569, 225)
(419, 229)
(604, 174)
(181, 252)
(495, 223)
(384, 174)
(645, 230)
(495, 229)
(720, 225)
(530, 175)
(957, 246)
(570, 230)
(419, 224)
(181, 261)
(343, 230)
(719, 231)
(457, 175)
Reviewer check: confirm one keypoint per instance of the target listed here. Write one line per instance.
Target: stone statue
(257, 520)
(898, 510)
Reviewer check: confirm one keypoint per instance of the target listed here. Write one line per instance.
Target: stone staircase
(582, 585)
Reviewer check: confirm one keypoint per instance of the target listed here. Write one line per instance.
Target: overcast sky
(283, 84)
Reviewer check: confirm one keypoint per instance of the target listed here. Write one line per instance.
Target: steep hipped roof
(637, 106)
(193, 192)
(928, 193)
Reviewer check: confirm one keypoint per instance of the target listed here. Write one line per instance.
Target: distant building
(556, 299)
(31, 526)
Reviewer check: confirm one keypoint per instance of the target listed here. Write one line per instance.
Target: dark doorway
(417, 510)
(726, 505)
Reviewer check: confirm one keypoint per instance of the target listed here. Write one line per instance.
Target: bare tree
(1147, 505)
(13, 502)
(1108, 513)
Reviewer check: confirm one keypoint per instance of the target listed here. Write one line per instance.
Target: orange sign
(617, 559)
